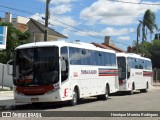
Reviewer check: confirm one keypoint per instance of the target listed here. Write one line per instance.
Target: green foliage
(148, 47)
(149, 20)
(14, 39)
(146, 50)
(151, 50)
(157, 36)
(155, 52)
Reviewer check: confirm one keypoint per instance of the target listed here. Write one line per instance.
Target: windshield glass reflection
(36, 66)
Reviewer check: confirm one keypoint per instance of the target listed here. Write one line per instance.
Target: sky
(88, 20)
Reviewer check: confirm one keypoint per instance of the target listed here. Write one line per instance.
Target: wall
(156, 75)
(5, 79)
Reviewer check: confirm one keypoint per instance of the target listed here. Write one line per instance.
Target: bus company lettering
(88, 71)
(138, 73)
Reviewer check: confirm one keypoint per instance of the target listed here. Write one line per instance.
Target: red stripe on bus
(108, 74)
(108, 70)
(148, 74)
(33, 90)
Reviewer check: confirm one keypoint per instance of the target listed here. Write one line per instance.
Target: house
(107, 45)
(35, 28)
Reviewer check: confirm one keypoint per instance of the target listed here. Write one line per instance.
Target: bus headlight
(51, 91)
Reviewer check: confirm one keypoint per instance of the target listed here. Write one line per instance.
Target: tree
(155, 54)
(138, 35)
(146, 50)
(147, 23)
(157, 36)
(14, 39)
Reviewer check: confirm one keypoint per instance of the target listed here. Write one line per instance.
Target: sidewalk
(156, 84)
(6, 98)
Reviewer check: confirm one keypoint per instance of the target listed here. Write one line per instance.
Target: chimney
(107, 40)
(130, 49)
(8, 17)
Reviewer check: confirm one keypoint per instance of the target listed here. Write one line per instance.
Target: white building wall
(5, 79)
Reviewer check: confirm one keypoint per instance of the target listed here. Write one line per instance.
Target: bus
(63, 71)
(135, 72)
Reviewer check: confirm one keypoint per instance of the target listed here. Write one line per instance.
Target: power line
(140, 3)
(85, 33)
(5, 12)
(15, 9)
(23, 11)
(26, 6)
(82, 32)
(75, 29)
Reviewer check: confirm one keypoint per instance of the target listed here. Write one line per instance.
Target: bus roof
(76, 44)
(131, 55)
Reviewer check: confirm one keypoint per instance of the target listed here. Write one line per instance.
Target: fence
(156, 75)
(5, 79)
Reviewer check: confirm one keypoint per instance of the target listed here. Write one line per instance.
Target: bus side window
(141, 63)
(64, 63)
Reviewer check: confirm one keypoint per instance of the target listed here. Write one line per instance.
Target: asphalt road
(138, 102)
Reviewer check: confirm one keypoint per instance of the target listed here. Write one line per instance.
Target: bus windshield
(36, 66)
(121, 67)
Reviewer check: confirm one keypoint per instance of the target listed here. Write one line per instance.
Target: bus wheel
(104, 96)
(131, 91)
(74, 100)
(145, 90)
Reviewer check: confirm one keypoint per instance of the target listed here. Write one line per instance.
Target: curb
(1, 92)
(156, 85)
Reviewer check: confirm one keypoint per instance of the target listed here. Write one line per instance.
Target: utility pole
(137, 42)
(46, 20)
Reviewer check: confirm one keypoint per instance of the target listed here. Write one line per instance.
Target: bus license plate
(34, 99)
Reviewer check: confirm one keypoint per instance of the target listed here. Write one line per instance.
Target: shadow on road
(46, 106)
(125, 93)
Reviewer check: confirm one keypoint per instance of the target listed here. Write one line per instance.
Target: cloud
(69, 23)
(61, 9)
(88, 33)
(109, 31)
(116, 32)
(63, 21)
(37, 16)
(123, 38)
(115, 13)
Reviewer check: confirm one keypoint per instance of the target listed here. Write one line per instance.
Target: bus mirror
(10, 67)
(63, 64)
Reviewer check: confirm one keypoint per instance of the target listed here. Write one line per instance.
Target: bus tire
(74, 100)
(104, 96)
(145, 90)
(131, 91)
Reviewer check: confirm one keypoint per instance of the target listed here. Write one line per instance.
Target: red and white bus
(135, 72)
(63, 71)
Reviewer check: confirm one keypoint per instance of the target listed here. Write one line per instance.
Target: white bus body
(135, 72)
(63, 71)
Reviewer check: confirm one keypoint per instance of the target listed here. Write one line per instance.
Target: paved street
(138, 102)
